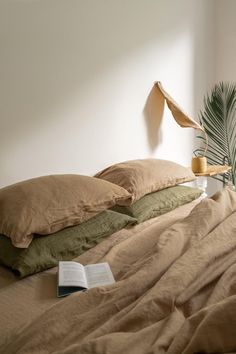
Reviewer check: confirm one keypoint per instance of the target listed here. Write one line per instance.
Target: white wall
(225, 53)
(226, 41)
(75, 76)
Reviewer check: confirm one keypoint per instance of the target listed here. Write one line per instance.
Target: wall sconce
(199, 163)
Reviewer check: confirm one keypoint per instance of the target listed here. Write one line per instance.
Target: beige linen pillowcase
(141, 177)
(47, 204)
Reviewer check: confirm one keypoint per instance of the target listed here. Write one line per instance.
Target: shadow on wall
(204, 64)
(153, 113)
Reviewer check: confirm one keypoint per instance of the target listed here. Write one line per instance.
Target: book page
(98, 274)
(71, 274)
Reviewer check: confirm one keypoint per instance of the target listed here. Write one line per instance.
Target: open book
(73, 276)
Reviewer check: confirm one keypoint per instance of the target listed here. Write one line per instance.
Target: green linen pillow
(45, 252)
(160, 202)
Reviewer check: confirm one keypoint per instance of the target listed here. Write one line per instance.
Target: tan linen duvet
(175, 293)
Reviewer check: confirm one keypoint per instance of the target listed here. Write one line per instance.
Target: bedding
(158, 203)
(174, 291)
(141, 177)
(22, 301)
(45, 252)
(47, 204)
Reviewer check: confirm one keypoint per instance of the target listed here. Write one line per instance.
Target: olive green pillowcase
(160, 202)
(45, 252)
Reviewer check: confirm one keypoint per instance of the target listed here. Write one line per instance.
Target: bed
(174, 291)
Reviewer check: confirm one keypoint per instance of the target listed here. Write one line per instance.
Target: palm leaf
(219, 122)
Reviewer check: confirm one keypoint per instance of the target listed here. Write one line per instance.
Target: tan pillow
(45, 205)
(140, 177)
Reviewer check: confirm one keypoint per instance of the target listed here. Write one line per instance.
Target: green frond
(218, 118)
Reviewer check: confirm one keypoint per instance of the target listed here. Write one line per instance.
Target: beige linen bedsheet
(175, 294)
(21, 301)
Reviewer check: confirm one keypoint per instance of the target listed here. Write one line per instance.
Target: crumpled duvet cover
(177, 296)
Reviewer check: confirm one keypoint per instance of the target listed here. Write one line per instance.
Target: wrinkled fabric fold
(177, 297)
(179, 115)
